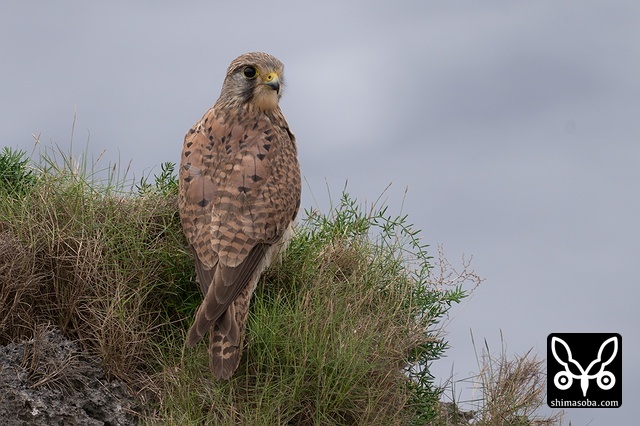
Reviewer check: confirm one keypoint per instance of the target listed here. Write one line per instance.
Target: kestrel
(239, 195)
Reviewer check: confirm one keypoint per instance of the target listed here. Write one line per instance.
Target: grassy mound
(341, 331)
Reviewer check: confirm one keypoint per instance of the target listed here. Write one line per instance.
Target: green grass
(94, 263)
(342, 331)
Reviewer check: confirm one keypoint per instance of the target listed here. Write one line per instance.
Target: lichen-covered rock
(48, 381)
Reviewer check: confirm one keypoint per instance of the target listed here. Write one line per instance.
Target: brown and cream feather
(239, 195)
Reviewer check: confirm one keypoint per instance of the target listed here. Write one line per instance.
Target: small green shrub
(16, 177)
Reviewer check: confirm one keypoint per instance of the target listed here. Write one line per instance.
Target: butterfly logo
(564, 379)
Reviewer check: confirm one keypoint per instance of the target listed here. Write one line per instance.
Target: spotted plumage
(239, 195)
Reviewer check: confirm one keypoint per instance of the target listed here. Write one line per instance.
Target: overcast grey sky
(515, 126)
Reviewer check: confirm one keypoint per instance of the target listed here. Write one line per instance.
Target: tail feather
(224, 357)
(226, 337)
(227, 329)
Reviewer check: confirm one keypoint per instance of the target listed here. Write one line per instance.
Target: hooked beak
(273, 81)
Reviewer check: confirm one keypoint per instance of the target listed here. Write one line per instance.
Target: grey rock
(48, 380)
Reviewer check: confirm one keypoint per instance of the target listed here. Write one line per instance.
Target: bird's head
(254, 78)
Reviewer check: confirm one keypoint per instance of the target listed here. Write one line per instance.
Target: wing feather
(233, 206)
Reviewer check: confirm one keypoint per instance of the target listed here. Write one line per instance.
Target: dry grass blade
(47, 365)
(513, 389)
(21, 288)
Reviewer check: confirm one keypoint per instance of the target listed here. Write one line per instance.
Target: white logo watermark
(564, 379)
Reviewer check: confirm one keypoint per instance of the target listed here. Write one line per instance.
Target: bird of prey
(239, 194)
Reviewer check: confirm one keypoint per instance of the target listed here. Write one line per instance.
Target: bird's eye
(249, 72)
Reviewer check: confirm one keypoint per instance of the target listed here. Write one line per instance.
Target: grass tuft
(513, 389)
(97, 263)
(341, 331)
